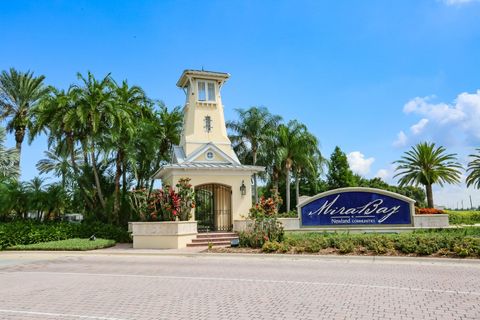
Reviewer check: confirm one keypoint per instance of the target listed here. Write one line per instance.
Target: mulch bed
(328, 251)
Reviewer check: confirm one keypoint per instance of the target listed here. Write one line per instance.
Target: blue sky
(373, 77)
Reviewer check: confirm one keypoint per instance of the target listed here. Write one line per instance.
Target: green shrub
(270, 246)
(427, 245)
(462, 242)
(467, 247)
(29, 232)
(299, 249)
(264, 229)
(290, 214)
(406, 243)
(345, 246)
(244, 239)
(283, 247)
(464, 217)
(312, 246)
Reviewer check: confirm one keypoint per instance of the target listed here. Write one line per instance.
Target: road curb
(292, 257)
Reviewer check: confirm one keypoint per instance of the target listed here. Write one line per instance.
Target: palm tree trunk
(76, 172)
(19, 136)
(64, 180)
(287, 183)
(428, 188)
(97, 178)
(85, 153)
(150, 189)
(118, 174)
(255, 190)
(124, 176)
(275, 179)
(297, 186)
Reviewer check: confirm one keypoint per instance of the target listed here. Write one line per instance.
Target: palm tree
(19, 92)
(308, 161)
(171, 124)
(8, 159)
(57, 163)
(129, 101)
(56, 201)
(426, 164)
(59, 115)
(251, 131)
(97, 114)
(36, 196)
(294, 141)
(270, 157)
(473, 177)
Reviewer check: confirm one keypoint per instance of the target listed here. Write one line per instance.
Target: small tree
(339, 173)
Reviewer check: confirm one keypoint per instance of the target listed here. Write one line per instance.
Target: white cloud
(358, 163)
(457, 2)
(383, 174)
(451, 124)
(418, 127)
(455, 195)
(401, 140)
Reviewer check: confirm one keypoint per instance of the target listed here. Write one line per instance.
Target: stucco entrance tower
(205, 155)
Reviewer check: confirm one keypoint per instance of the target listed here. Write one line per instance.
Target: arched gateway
(213, 209)
(205, 155)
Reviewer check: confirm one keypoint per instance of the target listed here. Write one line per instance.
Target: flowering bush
(266, 207)
(187, 196)
(164, 204)
(428, 211)
(266, 226)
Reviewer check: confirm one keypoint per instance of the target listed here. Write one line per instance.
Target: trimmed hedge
(28, 232)
(450, 242)
(463, 217)
(66, 245)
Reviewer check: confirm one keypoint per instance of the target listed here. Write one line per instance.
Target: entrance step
(209, 235)
(216, 239)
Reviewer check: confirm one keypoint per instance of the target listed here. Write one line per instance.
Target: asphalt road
(113, 287)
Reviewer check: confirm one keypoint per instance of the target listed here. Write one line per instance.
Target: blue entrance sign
(356, 206)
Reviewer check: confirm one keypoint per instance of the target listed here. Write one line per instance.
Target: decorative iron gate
(213, 209)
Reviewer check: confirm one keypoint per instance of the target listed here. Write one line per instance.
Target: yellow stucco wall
(240, 204)
(195, 135)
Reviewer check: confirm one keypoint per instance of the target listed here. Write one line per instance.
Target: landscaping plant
(266, 226)
(29, 232)
(165, 204)
(453, 242)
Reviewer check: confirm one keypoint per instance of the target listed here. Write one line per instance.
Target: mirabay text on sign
(356, 206)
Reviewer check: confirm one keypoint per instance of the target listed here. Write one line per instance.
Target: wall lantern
(243, 189)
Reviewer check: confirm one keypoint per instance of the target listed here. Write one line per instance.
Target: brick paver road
(112, 287)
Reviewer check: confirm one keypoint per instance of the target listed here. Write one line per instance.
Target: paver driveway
(69, 286)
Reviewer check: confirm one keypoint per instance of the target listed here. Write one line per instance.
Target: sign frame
(307, 200)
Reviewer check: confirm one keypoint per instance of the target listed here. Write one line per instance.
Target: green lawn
(67, 245)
